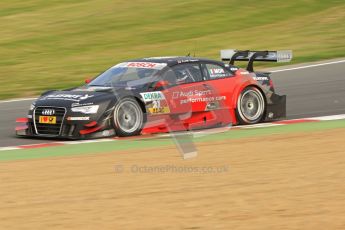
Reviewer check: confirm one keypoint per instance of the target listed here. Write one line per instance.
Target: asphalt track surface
(311, 89)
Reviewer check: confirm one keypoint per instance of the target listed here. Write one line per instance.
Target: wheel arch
(142, 107)
(137, 99)
(239, 91)
(141, 103)
(263, 95)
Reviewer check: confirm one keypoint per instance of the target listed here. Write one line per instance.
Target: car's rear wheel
(128, 117)
(251, 106)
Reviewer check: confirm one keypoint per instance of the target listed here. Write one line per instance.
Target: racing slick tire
(128, 118)
(251, 106)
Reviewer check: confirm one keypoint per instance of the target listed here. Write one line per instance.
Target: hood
(75, 97)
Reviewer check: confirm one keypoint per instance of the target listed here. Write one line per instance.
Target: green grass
(58, 43)
(123, 145)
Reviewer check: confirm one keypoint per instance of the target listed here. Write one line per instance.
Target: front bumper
(68, 126)
(68, 132)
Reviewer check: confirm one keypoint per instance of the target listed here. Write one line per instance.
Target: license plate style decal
(47, 120)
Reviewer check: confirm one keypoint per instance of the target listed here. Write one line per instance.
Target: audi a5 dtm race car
(160, 94)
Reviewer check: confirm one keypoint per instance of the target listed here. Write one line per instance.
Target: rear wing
(251, 56)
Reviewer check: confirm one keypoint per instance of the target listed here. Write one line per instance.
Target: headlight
(32, 106)
(89, 109)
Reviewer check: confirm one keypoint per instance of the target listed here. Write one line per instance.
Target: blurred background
(58, 43)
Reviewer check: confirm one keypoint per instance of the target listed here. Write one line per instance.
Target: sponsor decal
(78, 118)
(86, 96)
(92, 88)
(106, 133)
(191, 93)
(195, 96)
(152, 96)
(212, 105)
(284, 56)
(160, 110)
(47, 120)
(260, 78)
(175, 95)
(202, 99)
(67, 97)
(217, 72)
(144, 65)
(155, 102)
(186, 61)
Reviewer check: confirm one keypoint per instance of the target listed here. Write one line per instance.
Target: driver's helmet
(181, 75)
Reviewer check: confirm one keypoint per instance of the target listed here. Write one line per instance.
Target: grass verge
(123, 145)
(57, 44)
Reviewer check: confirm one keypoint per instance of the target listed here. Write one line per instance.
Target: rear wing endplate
(232, 55)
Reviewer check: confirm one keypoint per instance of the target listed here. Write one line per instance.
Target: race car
(160, 94)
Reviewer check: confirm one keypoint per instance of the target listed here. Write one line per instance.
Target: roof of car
(174, 60)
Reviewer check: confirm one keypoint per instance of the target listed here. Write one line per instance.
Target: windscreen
(128, 73)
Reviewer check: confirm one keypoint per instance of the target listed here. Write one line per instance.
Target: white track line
(86, 141)
(307, 66)
(18, 99)
(262, 125)
(9, 148)
(329, 118)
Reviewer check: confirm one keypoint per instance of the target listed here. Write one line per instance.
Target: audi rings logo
(48, 112)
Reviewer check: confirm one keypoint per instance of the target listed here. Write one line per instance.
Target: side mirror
(161, 84)
(87, 81)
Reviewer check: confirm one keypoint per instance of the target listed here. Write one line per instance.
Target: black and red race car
(160, 94)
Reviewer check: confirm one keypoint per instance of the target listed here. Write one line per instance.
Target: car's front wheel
(128, 117)
(251, 106)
